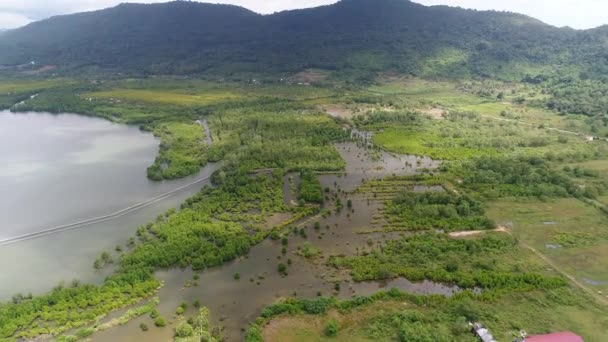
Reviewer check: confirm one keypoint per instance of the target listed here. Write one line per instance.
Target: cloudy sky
(580, 14)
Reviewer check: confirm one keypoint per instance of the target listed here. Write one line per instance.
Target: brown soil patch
(41, 70)
(278, 218)
(344, 111)
(500, 229)
(308, 76)
(435, 113)
(338, 111)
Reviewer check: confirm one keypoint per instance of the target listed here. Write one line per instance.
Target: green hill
(363, 35)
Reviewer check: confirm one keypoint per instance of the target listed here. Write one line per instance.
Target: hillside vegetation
(353, 35)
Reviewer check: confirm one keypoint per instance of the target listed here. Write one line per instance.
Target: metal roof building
(555, 337)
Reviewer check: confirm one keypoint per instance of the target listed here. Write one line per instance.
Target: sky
(580, 14)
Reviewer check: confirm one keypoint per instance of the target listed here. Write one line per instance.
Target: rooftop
(555, 337)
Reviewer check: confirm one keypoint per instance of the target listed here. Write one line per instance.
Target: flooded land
(234, 303)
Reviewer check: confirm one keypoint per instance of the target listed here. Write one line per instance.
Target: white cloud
(580, 14)
(12, 20)
(270, 6)
(40, 9)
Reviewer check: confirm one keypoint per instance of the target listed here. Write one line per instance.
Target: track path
(601, 299)
(104, 218)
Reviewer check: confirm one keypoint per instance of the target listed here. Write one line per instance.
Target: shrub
(85, 332)
(332, 328)
(282, 268)
(154, 313)
(160, 321)
(184, 330)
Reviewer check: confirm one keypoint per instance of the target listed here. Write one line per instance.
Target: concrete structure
(481, 332)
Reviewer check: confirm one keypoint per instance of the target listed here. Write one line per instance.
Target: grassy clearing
(496, 99)
(569, 232)
(305, 328)
(596, 165)
(466, 136)
(446, 319)
(470, 128)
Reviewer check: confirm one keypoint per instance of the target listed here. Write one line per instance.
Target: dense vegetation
(310, 188)
(436, 210)
(498, 139)
(500, 177)
(182, 151)
(467, 263)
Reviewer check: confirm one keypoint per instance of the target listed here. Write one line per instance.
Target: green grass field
(571, 233)
(466, 137)
(426, 144)
(596, 165)
(19, 86)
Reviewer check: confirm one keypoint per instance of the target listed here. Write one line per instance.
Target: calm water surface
(61, 169)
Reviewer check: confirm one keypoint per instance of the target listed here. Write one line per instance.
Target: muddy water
(236, 303)
(291, 182)
(365, 164)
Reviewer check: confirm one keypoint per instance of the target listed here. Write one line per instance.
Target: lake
(61, 169)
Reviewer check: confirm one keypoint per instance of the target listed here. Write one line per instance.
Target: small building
(483, 333)
(555, 337)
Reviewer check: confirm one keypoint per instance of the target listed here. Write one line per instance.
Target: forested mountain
(372, 35)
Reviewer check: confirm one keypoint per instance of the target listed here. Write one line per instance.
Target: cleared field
(309, 94)
(24, 86)
(423, 93)
(567, 231)
(208, 94)
(165, 97)
(420, 94)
